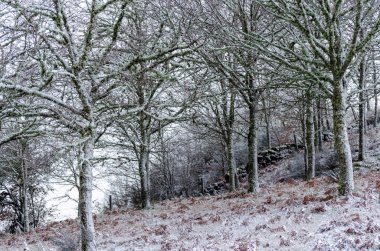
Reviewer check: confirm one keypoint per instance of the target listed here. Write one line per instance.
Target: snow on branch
(6, 85)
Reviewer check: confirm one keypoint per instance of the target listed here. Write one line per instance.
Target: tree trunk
(309, 146)
(376, 105)
(228, 113)
(375, 91)
(230, 163)
(267, 124)
(143, 164)
(25, 197)
(303, 125)
(320, 126)
(85, 193)
(165, 165)
(79, 163)
(342, 144)
(316, 127)
(143, 150)
(368, 101)
(362, 111)
(327, 115)
(148, 202)
(144, 193)
(252, 165)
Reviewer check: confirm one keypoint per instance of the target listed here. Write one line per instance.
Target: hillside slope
(293, 215)
(288, 215)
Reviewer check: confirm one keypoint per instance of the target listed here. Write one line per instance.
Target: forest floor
(288, 215)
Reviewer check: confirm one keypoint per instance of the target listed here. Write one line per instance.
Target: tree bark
(342, 144)
(229, 120)
(310, 147)
(316, 127)
(85, 192)
(267, 124)
(303, 125)
(230, 163)
(148, 202)
(78, 184)
(362, 111)
(320, 125)
(327, 115)
(25, 197)
(376, 105)
(252, 165)
(143, 172)
(143, 156)
(375, 91)
(143, 148)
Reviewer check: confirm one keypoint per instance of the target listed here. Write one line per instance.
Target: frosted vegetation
(170, 102)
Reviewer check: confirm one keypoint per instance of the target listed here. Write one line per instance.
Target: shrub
(67, 241)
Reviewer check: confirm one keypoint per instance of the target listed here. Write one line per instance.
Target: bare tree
(64, 61)
(327, 42)
(229, 25)
(216, 114)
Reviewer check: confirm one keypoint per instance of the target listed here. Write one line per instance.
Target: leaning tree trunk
(252, 165)
(85, 192)
(342, 144)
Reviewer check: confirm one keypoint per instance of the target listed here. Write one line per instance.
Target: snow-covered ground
(293, 215)
(288, 215)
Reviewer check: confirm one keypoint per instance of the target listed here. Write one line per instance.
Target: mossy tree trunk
(342, 144)
(252, 165)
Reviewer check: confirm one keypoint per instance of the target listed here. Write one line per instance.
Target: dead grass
(291, 215)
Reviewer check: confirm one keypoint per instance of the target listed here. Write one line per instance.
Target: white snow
(293, 215)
